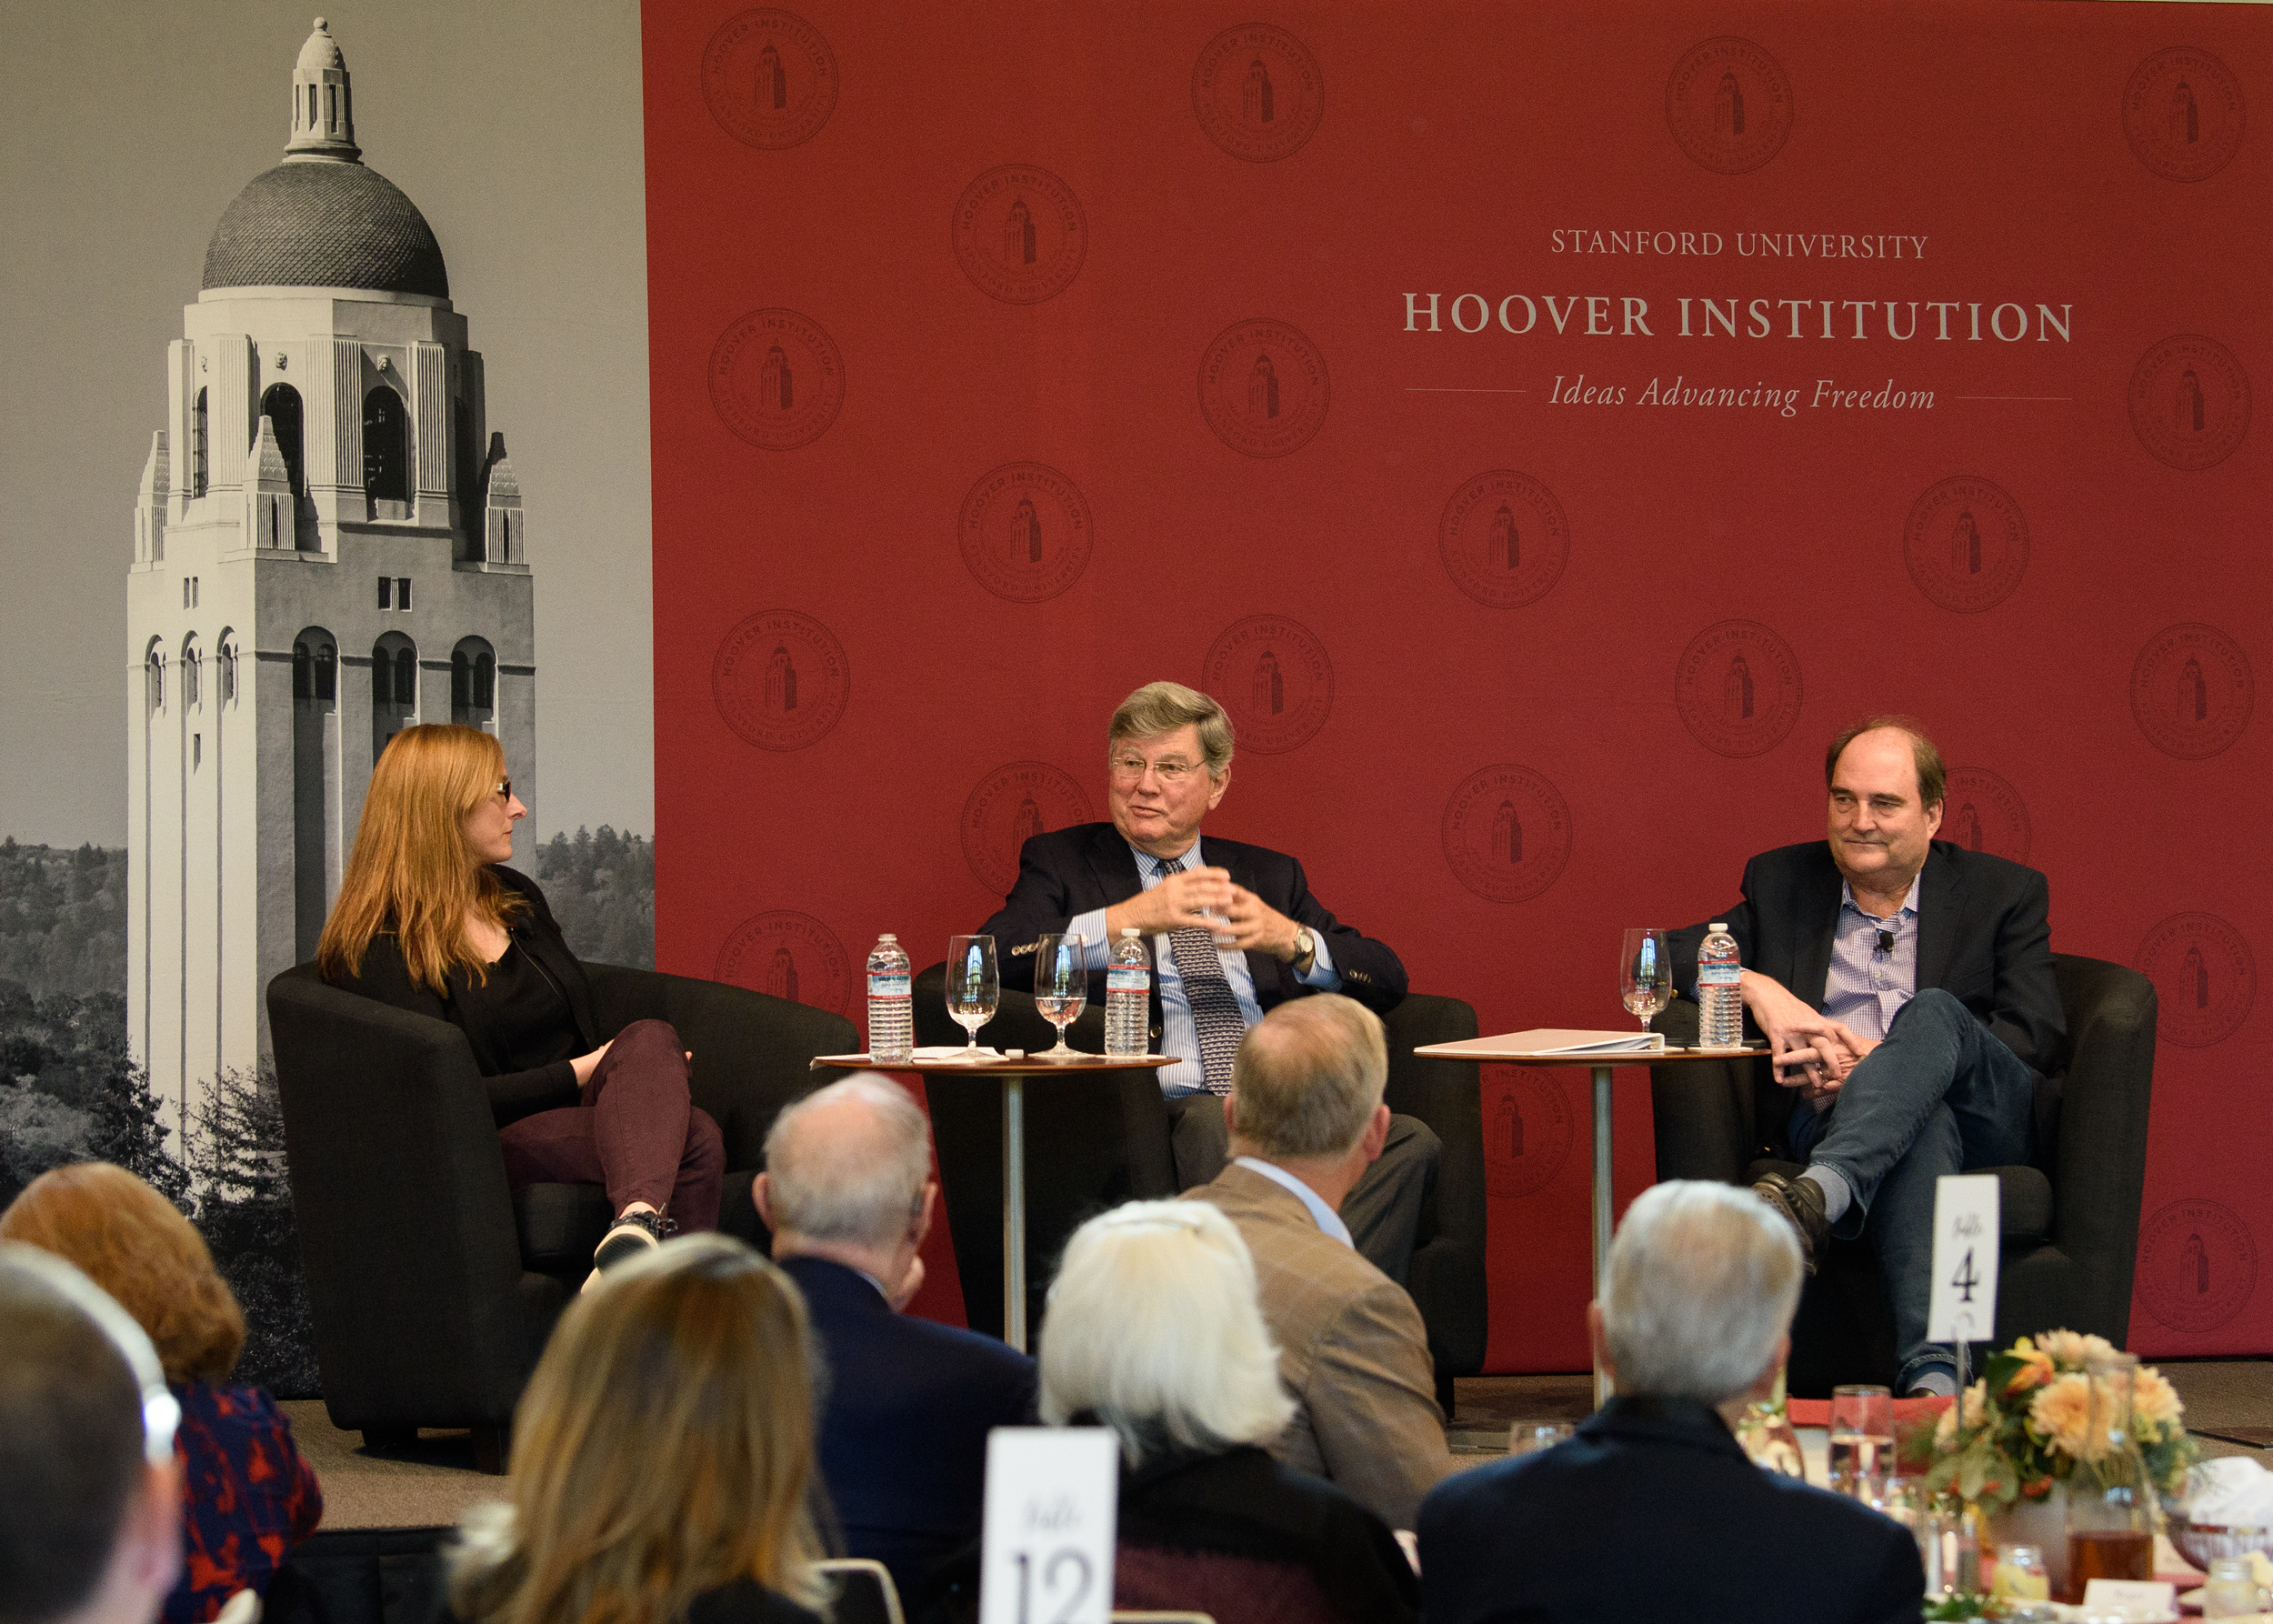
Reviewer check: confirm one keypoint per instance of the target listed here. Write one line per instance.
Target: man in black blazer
(1168, 763)
(1905, 984)
(848, 1194)
(1653, 1511)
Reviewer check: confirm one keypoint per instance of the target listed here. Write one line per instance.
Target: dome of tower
(325, 225)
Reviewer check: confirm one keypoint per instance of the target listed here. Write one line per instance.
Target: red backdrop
(1007, 356)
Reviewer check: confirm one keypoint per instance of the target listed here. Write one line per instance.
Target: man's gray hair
(1156, 1329)
(1703, 1280)
(1307, 1076)
(1161, 707)
(860, 1179)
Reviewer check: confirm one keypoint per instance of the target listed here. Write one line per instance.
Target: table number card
(2132, 1598)
(1966, 1230)
(1053, 1497)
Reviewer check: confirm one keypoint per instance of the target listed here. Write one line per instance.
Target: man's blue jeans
(1940, 1094)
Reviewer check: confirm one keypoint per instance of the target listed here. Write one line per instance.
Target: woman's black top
(525, 1021)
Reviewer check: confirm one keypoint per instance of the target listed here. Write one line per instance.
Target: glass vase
(2110, 1511)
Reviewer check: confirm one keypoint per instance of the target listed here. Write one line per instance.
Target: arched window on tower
(153, 679)
(281, 406)
(386, 452)
(394, 688)
(193, 674)
(326, 674)
(474, 684)
(198, 447)
(316, 771)
(224, 668)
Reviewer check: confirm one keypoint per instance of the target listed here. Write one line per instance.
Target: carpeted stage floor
(2230, 1408)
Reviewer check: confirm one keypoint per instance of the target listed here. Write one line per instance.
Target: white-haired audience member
(91, 1529)
(848, 1194)
(1153, 1330)
(1653, 1510)
(1306, 1120)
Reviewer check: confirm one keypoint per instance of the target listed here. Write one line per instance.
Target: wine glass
(1644, 972)
(973, 985)
(1061, 985)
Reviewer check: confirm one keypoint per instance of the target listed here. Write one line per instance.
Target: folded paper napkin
(956, 1051)
(2234, 1492)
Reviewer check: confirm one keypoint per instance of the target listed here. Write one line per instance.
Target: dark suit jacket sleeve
(513, 1095)
(1371, 971)
(1041, 901)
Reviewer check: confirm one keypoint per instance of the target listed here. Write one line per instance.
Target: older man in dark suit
(1905, 987)
(848, 1194)
(1233, 931)
(1653, 1511)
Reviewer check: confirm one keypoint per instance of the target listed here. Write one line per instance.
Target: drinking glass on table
(974, 985)
(1862, 1437)
(1061, 985)
(1644, 972)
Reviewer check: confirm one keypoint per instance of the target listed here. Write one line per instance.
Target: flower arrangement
(2026, 1424)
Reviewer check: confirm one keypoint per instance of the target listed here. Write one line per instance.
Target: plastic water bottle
(1720, 999)
(1128, 997)
(891, 1010)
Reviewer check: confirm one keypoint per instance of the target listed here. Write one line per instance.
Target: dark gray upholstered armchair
(433, 1285)
(1100, 1141)
(2070, 1219)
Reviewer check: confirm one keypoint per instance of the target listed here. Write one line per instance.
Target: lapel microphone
(1886, 941)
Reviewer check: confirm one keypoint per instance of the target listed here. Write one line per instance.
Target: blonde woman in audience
(662, 1456)
(1153, 1331)
(247, 1496)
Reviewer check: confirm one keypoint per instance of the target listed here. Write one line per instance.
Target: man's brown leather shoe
(1800, 1200)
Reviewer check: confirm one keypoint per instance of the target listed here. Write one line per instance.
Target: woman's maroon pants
(633, 1129)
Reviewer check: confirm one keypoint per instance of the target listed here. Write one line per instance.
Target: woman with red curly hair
(247, 1496)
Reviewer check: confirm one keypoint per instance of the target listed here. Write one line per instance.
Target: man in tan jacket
(1306, 1120)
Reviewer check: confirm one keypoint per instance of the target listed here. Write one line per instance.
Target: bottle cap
(1717, 924)
(1129, 930)
(889, 937)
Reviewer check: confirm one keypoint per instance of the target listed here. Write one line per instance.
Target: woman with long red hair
(430, 919)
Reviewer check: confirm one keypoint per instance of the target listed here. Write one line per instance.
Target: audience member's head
(848, 1177)
(136, 1246)
(1702, 1281)
(1153, 1330)
(92, 1533)
(663, 1447)
(1308, 1079)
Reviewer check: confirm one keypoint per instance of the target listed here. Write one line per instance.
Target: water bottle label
(889, 987)
(1720, 974)
(1128, 978)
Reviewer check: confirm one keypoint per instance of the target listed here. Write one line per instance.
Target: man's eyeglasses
(1171, 772)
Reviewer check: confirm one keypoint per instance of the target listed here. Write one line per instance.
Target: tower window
(281, 406)
(387, 592)
(303, 672)
(331, 107)
(385, 447)
(473, 682)
(406, 678)
(184, 592)
(228, 673)
(198, 447)
(311, 124)
(402, 593)
(193, 677)
(153, 679)
(326, 674)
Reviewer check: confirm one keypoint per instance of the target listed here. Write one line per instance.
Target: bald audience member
(1306, 1119)
(92, 1527)
(848, 1194)
(1653, 1511)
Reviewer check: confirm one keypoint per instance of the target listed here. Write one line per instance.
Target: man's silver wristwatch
(1306, 950)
